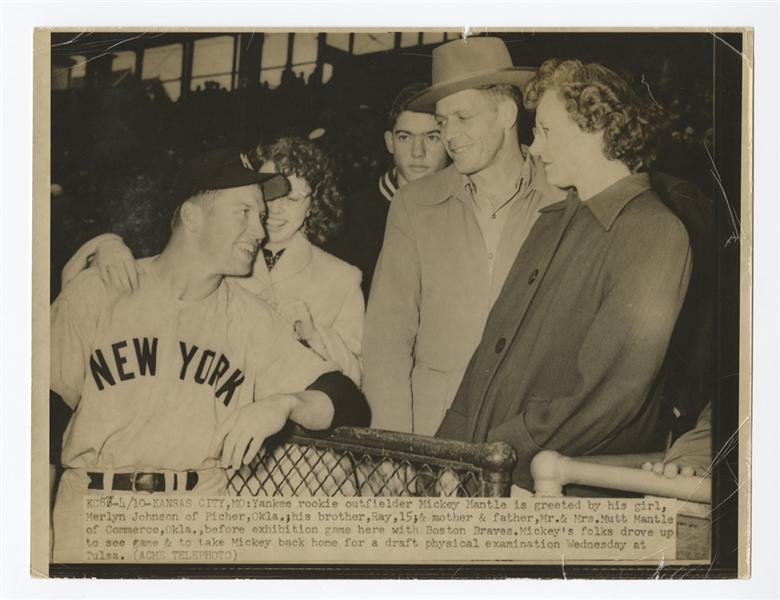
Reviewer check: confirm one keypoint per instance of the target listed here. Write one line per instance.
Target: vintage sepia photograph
(377, 303)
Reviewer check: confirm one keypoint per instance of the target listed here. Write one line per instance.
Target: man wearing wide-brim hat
(451, 238)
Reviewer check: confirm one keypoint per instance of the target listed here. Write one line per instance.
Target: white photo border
(17, 23)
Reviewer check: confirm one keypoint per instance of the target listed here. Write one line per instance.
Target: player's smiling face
(471, 129)
(233, 229)
(286, 214)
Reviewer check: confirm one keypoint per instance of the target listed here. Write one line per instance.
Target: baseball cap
(224, 169)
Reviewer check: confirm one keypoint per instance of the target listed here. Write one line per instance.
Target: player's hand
(243, 433)
(117, 267)
(297, 312)
(670, 470)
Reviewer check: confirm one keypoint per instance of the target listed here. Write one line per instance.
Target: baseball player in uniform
(191, 373)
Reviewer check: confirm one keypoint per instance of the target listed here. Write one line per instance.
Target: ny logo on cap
(246, 162)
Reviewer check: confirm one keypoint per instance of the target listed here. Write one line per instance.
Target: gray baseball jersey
(149, 377)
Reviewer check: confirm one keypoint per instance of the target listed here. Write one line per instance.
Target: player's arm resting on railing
(331, 401)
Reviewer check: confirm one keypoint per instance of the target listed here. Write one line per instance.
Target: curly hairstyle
(296, 157)
(597, 99)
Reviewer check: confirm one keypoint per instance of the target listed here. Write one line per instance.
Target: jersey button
(533, 276)
(500, 345)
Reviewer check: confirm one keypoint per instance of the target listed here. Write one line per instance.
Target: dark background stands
(116, 131)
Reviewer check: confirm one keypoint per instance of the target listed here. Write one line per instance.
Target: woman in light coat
(316, 291)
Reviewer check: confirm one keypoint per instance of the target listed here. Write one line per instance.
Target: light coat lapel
(295, 259)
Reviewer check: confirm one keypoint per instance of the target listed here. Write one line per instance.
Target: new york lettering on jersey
(128, 358)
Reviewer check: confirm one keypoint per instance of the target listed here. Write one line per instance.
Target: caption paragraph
(124, 528)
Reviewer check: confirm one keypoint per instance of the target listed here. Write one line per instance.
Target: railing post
(498, 462)
(546, 471)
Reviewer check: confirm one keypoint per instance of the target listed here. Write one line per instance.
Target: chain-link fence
(354, 461)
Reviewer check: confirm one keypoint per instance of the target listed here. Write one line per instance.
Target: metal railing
(551, 471)
(353, 461)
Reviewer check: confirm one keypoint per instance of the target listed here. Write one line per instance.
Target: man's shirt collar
(531, 178)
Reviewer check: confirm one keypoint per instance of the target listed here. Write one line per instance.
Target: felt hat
(463, 65)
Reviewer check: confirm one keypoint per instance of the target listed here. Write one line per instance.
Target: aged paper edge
(41, 248)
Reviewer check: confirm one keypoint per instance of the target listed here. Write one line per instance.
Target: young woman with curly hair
(316, 291)
(592, 128)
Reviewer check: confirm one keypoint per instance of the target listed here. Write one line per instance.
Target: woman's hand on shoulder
(117, 266)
